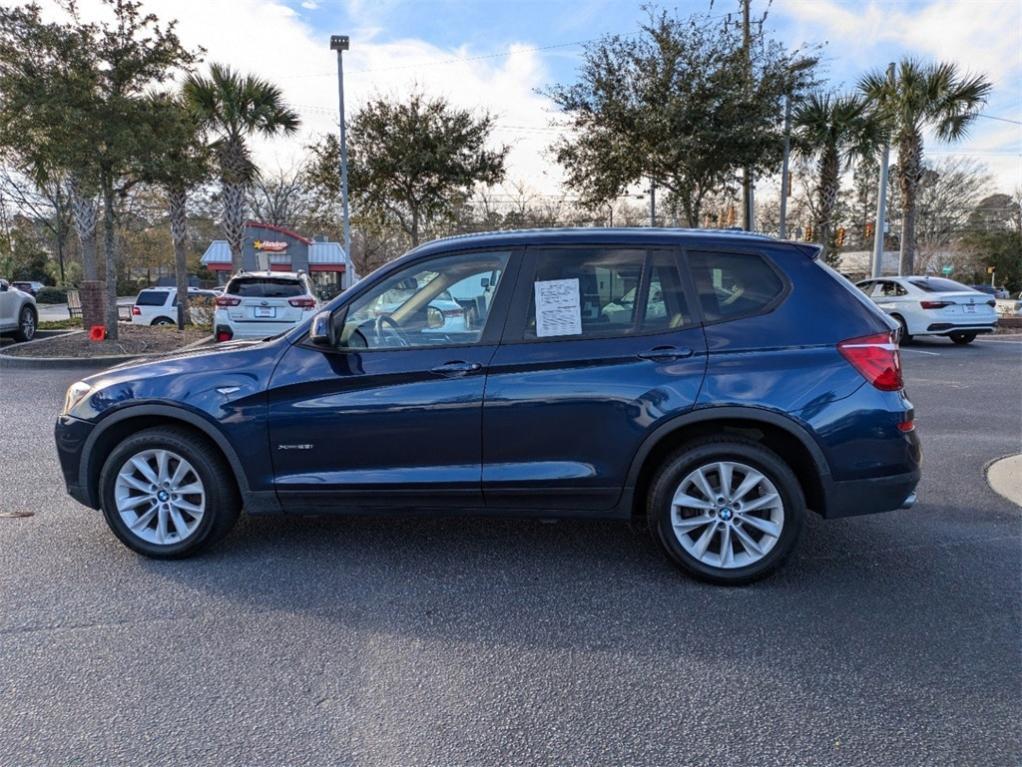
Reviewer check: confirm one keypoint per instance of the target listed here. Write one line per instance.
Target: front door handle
(456, 368)
(665, 353)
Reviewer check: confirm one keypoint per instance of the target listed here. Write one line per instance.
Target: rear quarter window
(152, 298)
(732, 285)
(265, 287)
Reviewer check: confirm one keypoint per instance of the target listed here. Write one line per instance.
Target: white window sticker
(558, 308)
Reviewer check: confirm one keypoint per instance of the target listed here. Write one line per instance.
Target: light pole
(339, 43)
(783, 223)
(881, 219)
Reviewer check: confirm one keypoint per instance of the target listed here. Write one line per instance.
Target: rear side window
(732, 285)
(152, 298)
(265, 287)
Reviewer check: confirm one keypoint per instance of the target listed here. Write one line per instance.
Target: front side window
(152, 298)
(732, 285)
(442, 302)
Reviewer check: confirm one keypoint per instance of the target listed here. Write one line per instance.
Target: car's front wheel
(26, 324)
(726, 510)
(167, 493)
(963, 338)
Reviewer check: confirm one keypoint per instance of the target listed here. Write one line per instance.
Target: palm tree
(833, 130)
(232, 107)
(920, 96)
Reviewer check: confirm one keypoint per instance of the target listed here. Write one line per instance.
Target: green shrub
(50, 295)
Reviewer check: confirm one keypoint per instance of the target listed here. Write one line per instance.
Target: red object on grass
(97, 333)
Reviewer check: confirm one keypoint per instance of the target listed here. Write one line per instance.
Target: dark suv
(712, 384)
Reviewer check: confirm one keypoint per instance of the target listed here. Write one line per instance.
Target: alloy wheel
(159, 497)
(727, 514)
(27, 324)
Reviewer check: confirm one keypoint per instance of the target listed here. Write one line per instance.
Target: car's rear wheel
(163, 321)
(27, 323)
(726, 510)
(963, 338)
(904, 336)
(167, 494)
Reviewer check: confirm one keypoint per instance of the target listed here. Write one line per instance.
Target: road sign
(946, 270)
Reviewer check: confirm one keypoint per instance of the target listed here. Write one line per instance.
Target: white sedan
(933, 306)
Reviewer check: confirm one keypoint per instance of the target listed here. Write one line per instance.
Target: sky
(498, 56)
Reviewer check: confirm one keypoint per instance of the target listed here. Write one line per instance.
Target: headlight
(75, 394)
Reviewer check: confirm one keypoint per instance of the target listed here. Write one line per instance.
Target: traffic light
(839, 237)
(870, 229)
(809, 232)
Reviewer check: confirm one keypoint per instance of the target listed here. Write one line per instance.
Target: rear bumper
(947, 328)
(869, 496)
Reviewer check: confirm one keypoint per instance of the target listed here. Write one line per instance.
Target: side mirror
(485, 282)
(321, 330)
(3, 287)
(434, 318)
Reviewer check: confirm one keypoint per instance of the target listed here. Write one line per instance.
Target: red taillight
(907, 426)
(934, 304)
(228, 301)
(877, 358)
(303, 303)
(136, 311)
(224, 334)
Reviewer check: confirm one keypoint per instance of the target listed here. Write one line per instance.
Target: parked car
(158, 306)
(990, 290)
(754, 384)
(31, 287)
(18, 313)
(933, 306)
(262, 304)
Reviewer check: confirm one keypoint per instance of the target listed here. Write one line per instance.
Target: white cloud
(310, 5)
(269, 39)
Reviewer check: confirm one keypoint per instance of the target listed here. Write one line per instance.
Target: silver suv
(18, 313)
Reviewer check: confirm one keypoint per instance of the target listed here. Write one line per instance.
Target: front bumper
(71, 434)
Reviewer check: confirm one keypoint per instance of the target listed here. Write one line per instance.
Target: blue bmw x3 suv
(712, 385)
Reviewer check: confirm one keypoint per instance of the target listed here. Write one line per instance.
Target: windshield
(264, 287)
(939, 285)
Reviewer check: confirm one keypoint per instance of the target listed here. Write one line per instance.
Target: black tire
(708, 451)
(904, 337)
(223, 503)
(963, 338)
(163, 321)
(28, 321)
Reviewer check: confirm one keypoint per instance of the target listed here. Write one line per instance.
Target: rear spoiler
(811, 249)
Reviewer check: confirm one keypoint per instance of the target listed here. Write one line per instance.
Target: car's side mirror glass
(434, 318)
(321, 330)
(3, 287)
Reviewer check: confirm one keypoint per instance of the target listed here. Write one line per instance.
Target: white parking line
(920, 351)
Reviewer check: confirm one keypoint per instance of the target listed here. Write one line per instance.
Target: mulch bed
(134, 339)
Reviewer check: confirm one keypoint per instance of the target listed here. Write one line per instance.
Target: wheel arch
(115, 427)
(780, 433)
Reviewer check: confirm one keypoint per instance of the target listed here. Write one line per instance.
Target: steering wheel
(384, 327)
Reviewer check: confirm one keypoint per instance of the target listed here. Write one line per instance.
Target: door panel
(562, 421)
(377, 428)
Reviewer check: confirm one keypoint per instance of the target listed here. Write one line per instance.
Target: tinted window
(733, 284)
(152, 298)
(666, 306)
(265, 287)
(589, 291)
(939, 285)
(891, 289)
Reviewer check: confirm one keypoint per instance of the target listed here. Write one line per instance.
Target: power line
(1001, 119)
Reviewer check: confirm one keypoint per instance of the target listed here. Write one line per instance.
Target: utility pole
(652, 202)
(339, 43)
(878, 227)
(783, 233)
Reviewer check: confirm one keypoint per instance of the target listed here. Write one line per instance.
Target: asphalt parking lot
(888, 640)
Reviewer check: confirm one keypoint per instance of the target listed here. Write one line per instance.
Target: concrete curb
(99, 362)
(1005, 477)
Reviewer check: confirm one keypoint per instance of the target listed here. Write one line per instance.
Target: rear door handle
(456, 368)
(666, 353)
